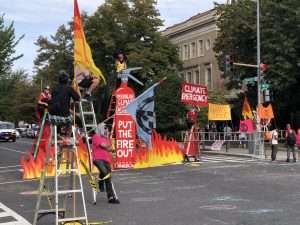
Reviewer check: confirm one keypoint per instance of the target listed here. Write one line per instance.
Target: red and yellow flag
(82, 52)
(246, 112)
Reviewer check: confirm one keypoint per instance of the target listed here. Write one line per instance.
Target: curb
(233, 154)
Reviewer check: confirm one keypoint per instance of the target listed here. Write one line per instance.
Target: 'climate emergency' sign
(194, 94)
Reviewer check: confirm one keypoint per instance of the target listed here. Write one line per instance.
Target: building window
(179, 51)
(193, 50)
(186, 52)
(189, 77)
(208, 77)
(207, 44)
(200, 48)
(197, 76)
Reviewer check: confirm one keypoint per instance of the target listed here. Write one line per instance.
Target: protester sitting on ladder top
(43, 102)
(120, 63)
(85, 79)
(61, 99)
(102, 159)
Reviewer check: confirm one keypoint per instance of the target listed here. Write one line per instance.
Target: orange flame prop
(32, 168)
(163, 152)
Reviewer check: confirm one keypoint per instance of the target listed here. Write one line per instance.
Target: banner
(246, 126)
(194, 94)
(125, 129)
(142, 111)
(247, 112)
(219, 112)
(265, 112)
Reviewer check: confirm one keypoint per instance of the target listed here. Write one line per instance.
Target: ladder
(89, 123)
(64, 153)
(111, 111)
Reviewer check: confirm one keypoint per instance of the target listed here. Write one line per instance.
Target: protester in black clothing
(61, 97)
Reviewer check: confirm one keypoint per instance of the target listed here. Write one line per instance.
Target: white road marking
(11, 149)
(6, 167)
(25, 142)
(13, 170)
(220, 159)
(17, 181)
(7, 212)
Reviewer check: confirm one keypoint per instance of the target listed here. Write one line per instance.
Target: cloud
(42, 17)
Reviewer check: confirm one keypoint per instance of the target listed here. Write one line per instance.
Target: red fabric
(298, 140)
(98, 152)
(246, 126)
(192, 115)
(43, 96)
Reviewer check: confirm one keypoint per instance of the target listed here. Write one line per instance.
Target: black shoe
(88, 97)
(113, 200)
(295, 160)
(288, 160)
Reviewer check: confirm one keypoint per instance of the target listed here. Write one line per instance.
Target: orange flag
(265, 112)
(246, 112)
(83, 60)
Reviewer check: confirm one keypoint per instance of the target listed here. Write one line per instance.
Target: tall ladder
(64, 153)
(111, 111)
(89, 123)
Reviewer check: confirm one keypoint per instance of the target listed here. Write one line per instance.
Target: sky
(42, 17)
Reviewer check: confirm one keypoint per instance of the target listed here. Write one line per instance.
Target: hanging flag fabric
(219, 112)
(83, 59)
(247, 112)
(142, 111)
(246, 126)
(265, 112)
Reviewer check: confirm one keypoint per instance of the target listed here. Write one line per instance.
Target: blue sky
(42, 17)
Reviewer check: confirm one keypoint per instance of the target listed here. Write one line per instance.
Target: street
(220, 190)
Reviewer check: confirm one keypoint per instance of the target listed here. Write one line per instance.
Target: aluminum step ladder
(89, 124)
(66, 186)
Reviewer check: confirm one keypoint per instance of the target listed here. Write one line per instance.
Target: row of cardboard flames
(163, 151)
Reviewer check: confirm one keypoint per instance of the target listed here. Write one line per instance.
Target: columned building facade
(195, 40)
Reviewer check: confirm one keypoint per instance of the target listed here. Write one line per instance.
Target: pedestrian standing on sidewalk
(291, 142)
(274, 143)
(298, 142)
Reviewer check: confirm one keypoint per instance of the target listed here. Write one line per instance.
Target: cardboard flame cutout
(163, 152)
(32, 168)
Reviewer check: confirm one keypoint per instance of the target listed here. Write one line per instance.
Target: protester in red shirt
(102, 159)
(191, 117)
(43, 102)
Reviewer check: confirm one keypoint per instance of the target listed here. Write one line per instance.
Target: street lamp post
(259, 139)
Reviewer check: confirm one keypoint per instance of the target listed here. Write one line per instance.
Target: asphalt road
(218, 191)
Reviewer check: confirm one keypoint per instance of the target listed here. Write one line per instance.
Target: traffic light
(228, 63)
(263, 68)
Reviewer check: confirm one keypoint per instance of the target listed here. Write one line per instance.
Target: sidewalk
(243, 152)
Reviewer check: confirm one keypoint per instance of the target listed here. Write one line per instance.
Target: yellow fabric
(247, 112)
(82, 52)
(219, 112)
(120, 66)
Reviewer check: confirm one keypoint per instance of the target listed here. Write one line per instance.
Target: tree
(8, 42)
(280, 47)
(54, 55)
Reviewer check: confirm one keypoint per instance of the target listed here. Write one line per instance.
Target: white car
(7, 131)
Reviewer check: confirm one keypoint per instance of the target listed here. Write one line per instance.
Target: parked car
(22, 131)
(32, 132)
(7, 131)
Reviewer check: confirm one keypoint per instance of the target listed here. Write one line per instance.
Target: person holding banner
(102, 159)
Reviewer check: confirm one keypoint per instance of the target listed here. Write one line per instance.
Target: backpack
(291, 139)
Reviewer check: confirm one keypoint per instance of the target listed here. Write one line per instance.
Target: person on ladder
(43, 101)
(59, 107)
(120, 64)
(102, 159)
(87, 81)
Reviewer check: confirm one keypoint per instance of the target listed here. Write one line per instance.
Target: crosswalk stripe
(219, 159)
(7, 212)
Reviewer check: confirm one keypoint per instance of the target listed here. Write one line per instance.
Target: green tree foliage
(8, 42)
(280, 46)
(54, 55)
(130, 26)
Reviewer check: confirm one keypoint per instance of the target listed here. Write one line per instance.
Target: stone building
(195, 39)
